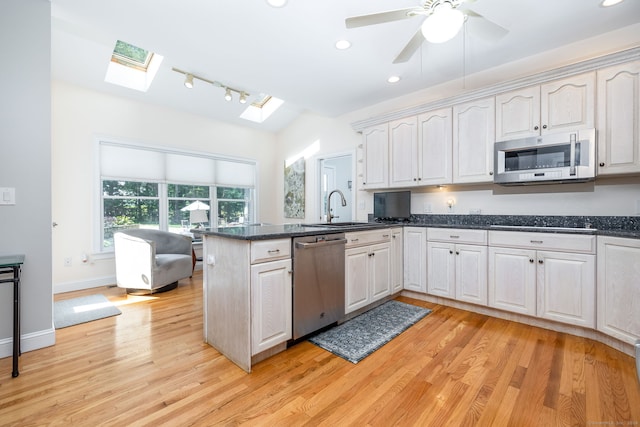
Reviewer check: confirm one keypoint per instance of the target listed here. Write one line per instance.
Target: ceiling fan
(443, 20)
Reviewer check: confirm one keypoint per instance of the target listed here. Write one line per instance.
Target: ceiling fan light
(443, 24)
(607, 3)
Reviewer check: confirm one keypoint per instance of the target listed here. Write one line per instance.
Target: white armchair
(151, 261)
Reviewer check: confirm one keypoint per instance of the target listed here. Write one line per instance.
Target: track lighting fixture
(188, 81)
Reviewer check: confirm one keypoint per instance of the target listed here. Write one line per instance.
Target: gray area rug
(359, 337)
(81, 310)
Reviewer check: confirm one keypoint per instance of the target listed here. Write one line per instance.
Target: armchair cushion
(151, 259)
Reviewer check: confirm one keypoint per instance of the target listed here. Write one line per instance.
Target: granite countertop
(627, 227)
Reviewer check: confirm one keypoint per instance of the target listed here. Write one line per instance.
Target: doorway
(336, 173)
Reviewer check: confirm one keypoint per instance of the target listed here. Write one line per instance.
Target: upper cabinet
(403, 152)
(473, 138)
(435, 139)
(558, 106)
(375, 146)
(619, 119)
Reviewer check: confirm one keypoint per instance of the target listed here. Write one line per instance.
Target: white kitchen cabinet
(367, 268)
(557, 106)
(397, 259)
(618, 119)
(511, 280)
(270, 304)
(473, 139)
(415, 259)
(457, 270)
(535, 274)
(435, 145)
(375, 146)
(403, 152)
(619, 287)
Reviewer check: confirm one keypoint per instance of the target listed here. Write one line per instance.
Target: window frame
(163, 185)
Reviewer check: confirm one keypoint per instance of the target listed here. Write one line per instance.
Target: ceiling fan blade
(378, 18)
(411, 48)
(483, 28)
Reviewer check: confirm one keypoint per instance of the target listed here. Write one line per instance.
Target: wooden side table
(13, 264)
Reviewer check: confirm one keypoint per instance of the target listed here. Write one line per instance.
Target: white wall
(25, 150)
(79, 116)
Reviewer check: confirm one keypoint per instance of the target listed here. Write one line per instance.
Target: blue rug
(359, 337)
(71, 312)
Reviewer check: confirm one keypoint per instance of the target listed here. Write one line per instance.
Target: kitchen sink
(340, 224)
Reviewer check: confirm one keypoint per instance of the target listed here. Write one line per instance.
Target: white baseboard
(29, 342)
(83, 284)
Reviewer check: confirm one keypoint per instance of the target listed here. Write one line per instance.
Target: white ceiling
(289, 52)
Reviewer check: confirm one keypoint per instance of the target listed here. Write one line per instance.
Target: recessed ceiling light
(343, 44)
(277, 3)
(393, 79)
(607, 3)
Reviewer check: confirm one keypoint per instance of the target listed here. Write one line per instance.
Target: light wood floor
(149, 366)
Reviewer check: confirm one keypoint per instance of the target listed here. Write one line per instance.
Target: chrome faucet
(344, 203)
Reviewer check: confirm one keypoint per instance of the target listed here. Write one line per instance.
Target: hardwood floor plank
(149, 366)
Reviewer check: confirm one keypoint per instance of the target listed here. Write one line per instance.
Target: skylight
(132, 67)
(261, 109)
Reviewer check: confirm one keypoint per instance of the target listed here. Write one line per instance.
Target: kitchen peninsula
(248, 275)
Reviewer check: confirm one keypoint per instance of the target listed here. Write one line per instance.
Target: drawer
(456, 235)
(547, 241)
(269, 250)
(360, 238)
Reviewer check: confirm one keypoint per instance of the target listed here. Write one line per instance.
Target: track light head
(227, 94)
(243, 98)
(188, 81)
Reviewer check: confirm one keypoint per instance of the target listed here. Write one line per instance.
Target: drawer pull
(273, 251)
(536, 241)
(454, 237)
(385, 235)
(355, 240)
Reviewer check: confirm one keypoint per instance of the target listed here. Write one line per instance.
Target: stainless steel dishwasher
(318, 282)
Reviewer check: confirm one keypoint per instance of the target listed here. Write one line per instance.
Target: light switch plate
(7, 196)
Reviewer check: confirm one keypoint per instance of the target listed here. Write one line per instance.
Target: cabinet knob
(490, 172)
(530, 260)
(544, 126)
(601, 164)
(457, 253)
(450, 251)
(536, 128)
(415, 179)
(540, 261)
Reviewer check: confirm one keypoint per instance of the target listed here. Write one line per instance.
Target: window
(132, 67)
(132, 56)
(167, 189)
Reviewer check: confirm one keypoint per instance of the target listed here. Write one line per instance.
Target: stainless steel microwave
(559, 157)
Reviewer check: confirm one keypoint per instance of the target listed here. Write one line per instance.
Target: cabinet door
(397, 260)
(375, 144)
(471, 273)
(568, 104)
(270, 304)
(403, 152)
(380, 271)
(435, 147)
(473, 139)
(619, 288)
(356, 278)
(618, 118)
(566, 287)
(441, 269)
(512, 280)
(415, 259)
(518, 114)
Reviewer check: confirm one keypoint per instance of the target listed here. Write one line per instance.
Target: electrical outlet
(427, 208)
(475, 211)
(67, 262)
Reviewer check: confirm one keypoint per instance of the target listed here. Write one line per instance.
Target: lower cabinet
(397, 260)
(554, 285)
(367, 268)
(415, 259)
(457, 271)
(271, 315)
(619, 288)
